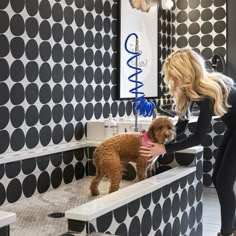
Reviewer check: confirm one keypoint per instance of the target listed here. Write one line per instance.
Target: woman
(188, 82)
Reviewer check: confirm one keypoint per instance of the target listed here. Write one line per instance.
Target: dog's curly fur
(112, 155)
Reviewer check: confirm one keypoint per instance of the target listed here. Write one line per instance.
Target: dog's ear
(151, 132)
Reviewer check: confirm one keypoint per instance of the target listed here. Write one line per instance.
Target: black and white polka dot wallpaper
(57, 70)
(165, 45)
(58, 63)
(197, 24)
(201, 25)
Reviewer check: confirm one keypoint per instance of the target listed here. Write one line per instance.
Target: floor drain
(56, 215)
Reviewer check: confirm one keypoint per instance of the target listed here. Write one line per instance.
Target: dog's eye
(169, 127)
(160, 127)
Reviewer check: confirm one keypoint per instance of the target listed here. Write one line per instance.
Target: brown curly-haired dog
(112, 155)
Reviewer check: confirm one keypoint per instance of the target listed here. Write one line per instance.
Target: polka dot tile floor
(32, 214)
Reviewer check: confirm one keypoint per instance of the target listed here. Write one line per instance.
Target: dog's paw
(95, 192)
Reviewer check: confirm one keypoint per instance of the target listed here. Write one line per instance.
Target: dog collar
(145, 138)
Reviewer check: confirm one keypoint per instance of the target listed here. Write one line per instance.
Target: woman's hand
(152, 150)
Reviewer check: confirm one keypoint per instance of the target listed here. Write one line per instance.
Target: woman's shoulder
(232, 96)
(205, 100)
(206, 103)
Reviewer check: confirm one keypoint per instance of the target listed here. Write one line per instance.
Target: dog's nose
(167, 135)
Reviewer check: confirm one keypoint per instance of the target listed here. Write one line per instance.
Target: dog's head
(161, 130)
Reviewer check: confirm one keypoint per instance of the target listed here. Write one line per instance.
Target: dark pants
(224, 176)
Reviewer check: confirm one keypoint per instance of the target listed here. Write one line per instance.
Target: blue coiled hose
(143, 107)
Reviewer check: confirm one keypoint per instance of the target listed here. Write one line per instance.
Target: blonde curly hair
(188, 80)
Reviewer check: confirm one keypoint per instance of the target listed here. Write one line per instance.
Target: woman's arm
(181, 126)
(203, 123)
(204, 120)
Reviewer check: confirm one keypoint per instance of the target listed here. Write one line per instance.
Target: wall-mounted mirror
(138, 17)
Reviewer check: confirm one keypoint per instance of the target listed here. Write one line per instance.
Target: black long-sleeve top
(203, 122)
